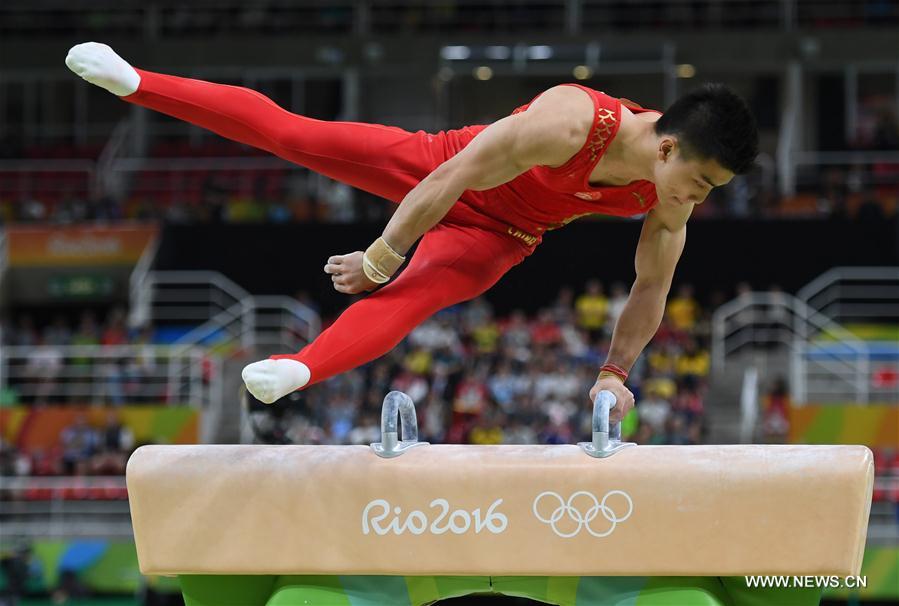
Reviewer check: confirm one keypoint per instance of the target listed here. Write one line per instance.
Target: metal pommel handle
(398, 407)
(606, 437)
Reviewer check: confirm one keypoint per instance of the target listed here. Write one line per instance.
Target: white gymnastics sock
(100, 65)
(270, 380)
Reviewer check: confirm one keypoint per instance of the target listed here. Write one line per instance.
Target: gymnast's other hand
(347, 275)
(623, 396)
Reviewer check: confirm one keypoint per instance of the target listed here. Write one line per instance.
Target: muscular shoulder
(561, 118)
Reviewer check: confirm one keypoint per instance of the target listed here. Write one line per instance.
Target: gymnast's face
(684, 178)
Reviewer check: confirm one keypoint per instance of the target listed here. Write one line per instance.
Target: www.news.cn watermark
(808, 581)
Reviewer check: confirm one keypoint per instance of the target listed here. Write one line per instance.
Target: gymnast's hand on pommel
(347, 275)
(623, 396)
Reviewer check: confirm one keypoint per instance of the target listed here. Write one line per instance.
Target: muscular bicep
(550, 132)
(497, 155)
(658, 251)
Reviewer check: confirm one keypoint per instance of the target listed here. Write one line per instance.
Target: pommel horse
(405, 522)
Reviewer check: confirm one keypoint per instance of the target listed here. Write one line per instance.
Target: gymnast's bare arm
(549, 133)
(658, 251)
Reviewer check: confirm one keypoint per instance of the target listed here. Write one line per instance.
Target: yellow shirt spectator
(592, 307)
(662, 362)
(419, 361)
(486, 435)
(486, 336)
(663, 387)
(683, 309)
(696, 363)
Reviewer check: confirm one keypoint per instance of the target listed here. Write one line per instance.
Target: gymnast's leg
(452, 264)
(382, 160)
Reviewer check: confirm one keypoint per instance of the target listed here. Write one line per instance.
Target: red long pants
(456, 260)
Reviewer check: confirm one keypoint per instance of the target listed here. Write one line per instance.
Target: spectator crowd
(482, 379)
(48, 372)
(475, 377)
(82, 450)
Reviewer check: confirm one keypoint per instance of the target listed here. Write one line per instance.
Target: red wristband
(615, 370)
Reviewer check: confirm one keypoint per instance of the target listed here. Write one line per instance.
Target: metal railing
(221, 311)
(260, 321)
(29, 177)
(779, 321)
(139, 286)
(224, 316)
(108, 181)
(183, 297)
(64, 507)
(855, 294)
(119, 374)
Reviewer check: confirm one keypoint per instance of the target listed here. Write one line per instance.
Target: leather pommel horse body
(500, 510)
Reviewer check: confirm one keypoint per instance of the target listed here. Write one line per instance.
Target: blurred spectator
(683, 309)
(517, 337)
(663, 359)
(24, 334)
(80, 443)
(833, 197)
(87, 334)
(115, 332)
(688, 403)
(13, 462)
(545, 331)
(485, 332)
(58, 333)
(592, 309)
(115, 445)
(42, 367)
(505, 386)
(490, 431)
(367, 431)
(654, 409)
(693, 361)
(469, 403)
(775, 412)
(561, 309)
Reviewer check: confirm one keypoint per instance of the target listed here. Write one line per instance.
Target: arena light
(498, 53)
(685, 70)
(483, 73)
(455, 53)
(539, 53)
(582, 72)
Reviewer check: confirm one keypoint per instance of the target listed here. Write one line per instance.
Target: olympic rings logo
(583, 520)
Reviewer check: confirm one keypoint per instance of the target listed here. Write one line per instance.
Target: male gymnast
(480, 198)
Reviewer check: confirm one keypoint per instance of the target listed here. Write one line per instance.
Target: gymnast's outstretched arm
(658, 251)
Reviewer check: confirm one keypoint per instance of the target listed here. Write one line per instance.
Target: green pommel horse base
(408, 523)
(262, 590)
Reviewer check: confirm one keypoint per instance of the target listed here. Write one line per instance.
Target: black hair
(715, 123)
